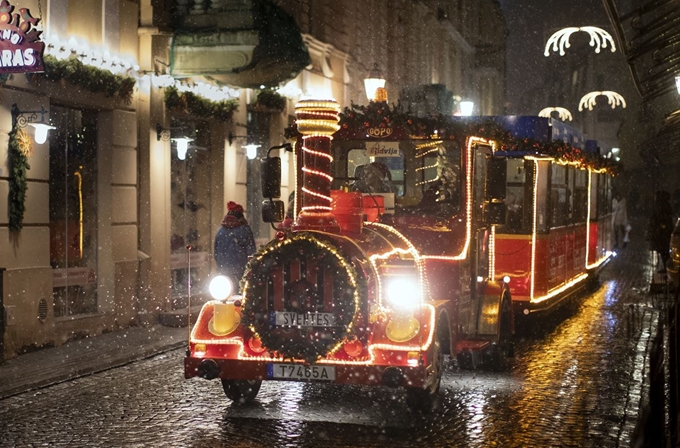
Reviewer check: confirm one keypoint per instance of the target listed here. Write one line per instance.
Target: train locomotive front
(334, 299)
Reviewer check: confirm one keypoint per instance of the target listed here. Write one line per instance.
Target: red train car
(413, 239)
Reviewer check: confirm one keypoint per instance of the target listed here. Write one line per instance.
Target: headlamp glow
(403, 293)
(220, 287)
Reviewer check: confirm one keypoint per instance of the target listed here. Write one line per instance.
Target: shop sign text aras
(21, 50)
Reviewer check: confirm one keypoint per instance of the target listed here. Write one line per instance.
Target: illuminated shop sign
(21, 50)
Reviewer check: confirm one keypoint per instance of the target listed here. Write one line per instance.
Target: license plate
(292, 319)
(300, 372)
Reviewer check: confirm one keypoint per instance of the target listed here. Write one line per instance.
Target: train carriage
(413, 239)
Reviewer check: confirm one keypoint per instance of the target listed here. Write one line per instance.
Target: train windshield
(420, 174)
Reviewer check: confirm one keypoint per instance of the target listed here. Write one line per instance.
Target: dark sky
(530, 23)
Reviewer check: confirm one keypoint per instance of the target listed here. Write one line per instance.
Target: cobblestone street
(579, 382)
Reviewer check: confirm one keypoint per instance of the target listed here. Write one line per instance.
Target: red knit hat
(234, 209)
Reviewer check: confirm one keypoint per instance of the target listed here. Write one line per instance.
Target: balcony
(242, 43)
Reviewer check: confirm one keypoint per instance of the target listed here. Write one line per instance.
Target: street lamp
(466, 108)
(182, 146)
(374, 81)
(21, 118)
(182, 143)
(251, 151)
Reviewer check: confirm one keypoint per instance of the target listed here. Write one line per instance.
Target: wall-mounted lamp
(21, 118)
(251, 148)
(374, 81)
(182, 143)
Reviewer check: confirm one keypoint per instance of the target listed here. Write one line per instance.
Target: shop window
(73, 211)
(191, 223)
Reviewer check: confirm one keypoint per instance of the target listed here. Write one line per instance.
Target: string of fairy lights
(62, 49)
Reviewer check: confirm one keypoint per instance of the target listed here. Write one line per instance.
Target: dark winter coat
(660, 226)
(233, 245)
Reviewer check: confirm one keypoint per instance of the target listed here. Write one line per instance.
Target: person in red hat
(234, 243)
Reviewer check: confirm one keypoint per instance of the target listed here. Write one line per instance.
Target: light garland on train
(533, 232)
(468, 205)
(492, 253)
(317, 120)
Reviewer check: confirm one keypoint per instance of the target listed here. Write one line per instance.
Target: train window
(560, 196)
(580, 197)
(514, 200)
(434, 184)
(542, 209)
(376, 167)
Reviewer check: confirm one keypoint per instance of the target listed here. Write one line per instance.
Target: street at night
(581, 383)
(318, 223)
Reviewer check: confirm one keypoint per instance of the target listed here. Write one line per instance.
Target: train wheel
(241, 391)
(422, 400)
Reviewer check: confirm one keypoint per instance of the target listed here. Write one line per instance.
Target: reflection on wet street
(576, 381)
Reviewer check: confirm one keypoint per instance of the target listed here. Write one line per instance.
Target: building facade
(118, 223)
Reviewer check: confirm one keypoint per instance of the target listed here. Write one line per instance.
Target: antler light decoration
(562, 113)
(613, 98)
(598, 39)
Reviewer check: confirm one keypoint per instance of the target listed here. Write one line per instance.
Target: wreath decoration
(301, 296)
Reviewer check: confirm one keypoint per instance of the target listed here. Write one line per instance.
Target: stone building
(112, 201)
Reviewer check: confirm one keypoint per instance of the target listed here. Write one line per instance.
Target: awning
(649, 36)
(260, 45)
(665, 146)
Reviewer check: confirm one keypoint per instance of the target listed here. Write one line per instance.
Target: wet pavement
(579, 381)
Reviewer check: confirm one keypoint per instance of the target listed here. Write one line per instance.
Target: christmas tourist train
(412, 238)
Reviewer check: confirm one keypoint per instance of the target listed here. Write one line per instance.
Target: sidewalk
(86, 356)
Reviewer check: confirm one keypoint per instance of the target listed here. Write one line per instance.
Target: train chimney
(317, 121)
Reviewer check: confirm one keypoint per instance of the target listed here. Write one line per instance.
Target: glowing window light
(599, 39)
(614, 99)
(80, 212)
(562, 113)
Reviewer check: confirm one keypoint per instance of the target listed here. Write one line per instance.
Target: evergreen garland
(190, 103)
(381, 115)
(91, 78)
(270, 100)
(18, 165)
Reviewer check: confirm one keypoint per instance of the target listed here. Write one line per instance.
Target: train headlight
(403, 293)
(225, 317)
(220, 287)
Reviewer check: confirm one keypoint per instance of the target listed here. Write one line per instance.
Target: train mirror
(272, 210)
(271, 177)
(496, 175)
(494, 213)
